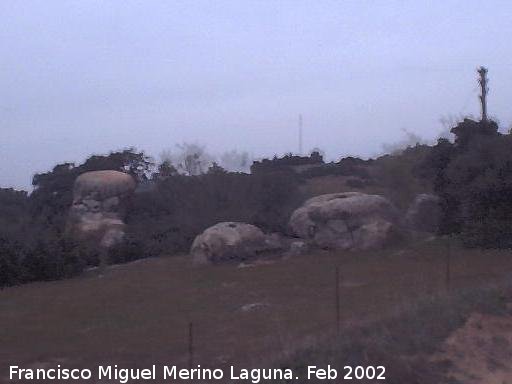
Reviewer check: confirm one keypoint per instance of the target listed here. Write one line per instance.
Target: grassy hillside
(138, 314)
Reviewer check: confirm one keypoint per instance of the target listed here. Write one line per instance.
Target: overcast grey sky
(83, 77)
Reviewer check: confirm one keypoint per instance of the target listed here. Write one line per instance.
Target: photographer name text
(169, 373)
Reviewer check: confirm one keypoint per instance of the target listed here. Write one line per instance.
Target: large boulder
(231, 241)
(98, 206)
(349, 220)
(424, 214)
(102, 186)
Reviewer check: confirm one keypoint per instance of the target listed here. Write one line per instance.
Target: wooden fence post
(448, 264)
(337, 300)
(190, 345)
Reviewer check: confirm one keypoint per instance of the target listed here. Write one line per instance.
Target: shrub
(473, 176)
(53, 258)
(48, 257)
(10, 269)
(348, 166)
(169, 215)
(288, 161)
(130, 249)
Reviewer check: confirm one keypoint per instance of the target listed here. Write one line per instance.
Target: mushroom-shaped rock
(424, 214)
(102, 185)
(230, 241)
(349, 220)
(97, 210)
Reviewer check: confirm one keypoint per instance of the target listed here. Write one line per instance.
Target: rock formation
(424, 213)
(349, 220)
(232, 241)
(98, 206)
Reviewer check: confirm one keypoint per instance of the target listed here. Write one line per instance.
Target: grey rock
(232, 241)
(97, 211)
(349, 220)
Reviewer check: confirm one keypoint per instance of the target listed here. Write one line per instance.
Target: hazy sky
(83, 77)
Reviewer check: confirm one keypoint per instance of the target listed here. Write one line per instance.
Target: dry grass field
(137, 314)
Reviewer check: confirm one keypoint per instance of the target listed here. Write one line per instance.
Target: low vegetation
(405, 341)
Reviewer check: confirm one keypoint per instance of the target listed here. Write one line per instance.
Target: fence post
(190, 345)
(337, 300)
(448, 264)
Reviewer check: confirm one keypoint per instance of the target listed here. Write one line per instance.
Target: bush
(473, 176)
(130, 249)
(278, 164)
(46, 258)
(14, 214)
(348, 166)
(10, 269)
(169, 215)
(53, 258)
(397, 177)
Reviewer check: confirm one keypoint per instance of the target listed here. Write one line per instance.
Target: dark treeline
(473, 176)
(165, 214)
(33, 240)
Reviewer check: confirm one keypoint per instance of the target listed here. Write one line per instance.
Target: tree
(165, 170)
(53, 191)
(470, 130)
(473, 178)
(138, 164)
(190, 159)
(53, 195)
(235, 161)
(216, 169)
(411, 139)
(10, 269)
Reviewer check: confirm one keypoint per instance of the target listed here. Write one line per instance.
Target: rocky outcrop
(424, 214)
(297, 248)
(232, 241)
(349, 220)
(99, 206)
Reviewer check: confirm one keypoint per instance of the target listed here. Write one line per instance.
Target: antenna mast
(482, 71)
(300, 134)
